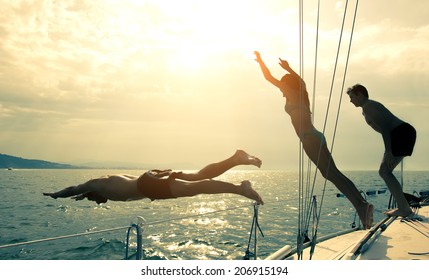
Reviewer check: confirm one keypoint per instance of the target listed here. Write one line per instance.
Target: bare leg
(395, 188)
(213, 170)
(346, 186)
(186, 189)
(69, 191)
(327, 167)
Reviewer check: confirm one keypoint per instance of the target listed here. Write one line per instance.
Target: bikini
(289, 108)
(153, 187)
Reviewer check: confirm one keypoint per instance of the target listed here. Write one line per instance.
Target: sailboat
(392, 238)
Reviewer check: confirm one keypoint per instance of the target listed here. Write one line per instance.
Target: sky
(174, 84)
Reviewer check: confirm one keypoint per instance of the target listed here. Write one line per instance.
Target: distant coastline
(12, 162)
(9, 162)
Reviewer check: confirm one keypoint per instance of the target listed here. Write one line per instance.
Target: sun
(189, 36)
(208, 30)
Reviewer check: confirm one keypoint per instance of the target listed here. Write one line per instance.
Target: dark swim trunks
(153, 187)
(403, 139)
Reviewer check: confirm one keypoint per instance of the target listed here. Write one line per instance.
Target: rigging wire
(313, 109)
(301, 209)
(310, 193)
(340, 100)
(304, 195)
(342, 87)
(304, 222)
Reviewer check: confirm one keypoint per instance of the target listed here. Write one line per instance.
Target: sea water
(204, 227)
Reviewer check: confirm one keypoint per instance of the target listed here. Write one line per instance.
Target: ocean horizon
(204, 227)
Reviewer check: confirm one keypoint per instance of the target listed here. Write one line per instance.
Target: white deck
(393, 240)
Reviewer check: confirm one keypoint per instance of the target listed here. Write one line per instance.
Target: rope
(306, 221)
(124, 227)
(313, 109)
(308, 192)
(253, 232)
(301, 196)
(410, 224)
(342, 87)
(299, 142)
(418, 254)
(315, 227)
(62, 237)
(304, 195)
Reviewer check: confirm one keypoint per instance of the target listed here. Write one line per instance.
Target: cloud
(393, 49)
(126, 79)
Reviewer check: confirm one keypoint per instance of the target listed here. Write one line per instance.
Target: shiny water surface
(28, 215)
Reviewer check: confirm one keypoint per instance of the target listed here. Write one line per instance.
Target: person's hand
(174, 175)
(161, 173)
(258, 57)
(284, 64)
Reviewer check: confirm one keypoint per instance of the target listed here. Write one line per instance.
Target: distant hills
(11, 162)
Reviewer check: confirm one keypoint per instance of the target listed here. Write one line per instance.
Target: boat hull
(390, 239)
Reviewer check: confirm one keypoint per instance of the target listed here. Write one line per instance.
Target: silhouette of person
(313, 141)
(399, 139)
(165, 184)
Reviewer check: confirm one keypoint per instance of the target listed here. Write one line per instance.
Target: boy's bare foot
(249, 192)
(242, 157)
(398, 213)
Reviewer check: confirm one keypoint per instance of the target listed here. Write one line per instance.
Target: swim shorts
(403, 138)
(153, 187)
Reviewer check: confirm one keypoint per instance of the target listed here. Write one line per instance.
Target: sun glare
(204, 30)
(190, 35)
(191, 58)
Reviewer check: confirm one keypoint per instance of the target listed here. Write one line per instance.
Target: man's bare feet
(242, 157)
(398, 213)
(249, 192)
